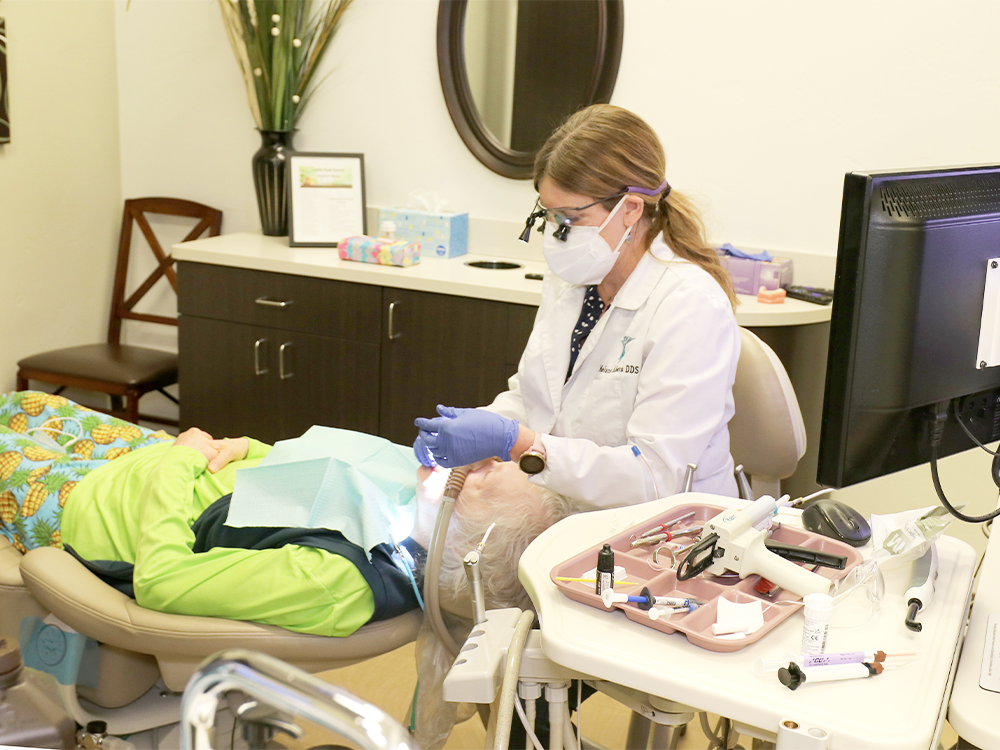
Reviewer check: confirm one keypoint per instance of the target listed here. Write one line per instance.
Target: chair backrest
(122, 308)
(767, 435)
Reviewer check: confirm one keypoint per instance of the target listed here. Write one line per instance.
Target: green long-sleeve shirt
(139, 509)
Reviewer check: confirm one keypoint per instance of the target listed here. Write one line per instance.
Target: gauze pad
(360, 485)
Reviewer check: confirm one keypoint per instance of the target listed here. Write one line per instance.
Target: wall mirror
(512, 70)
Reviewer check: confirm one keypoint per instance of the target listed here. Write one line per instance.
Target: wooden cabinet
(269, 354)
(440, 349)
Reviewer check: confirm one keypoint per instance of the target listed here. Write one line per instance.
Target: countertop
(443, 276)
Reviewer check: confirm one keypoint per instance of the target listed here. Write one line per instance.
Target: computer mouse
(837, 520)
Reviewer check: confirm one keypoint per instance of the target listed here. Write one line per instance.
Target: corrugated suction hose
(432, 577)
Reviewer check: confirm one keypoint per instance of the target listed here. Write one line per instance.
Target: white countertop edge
(442, 276)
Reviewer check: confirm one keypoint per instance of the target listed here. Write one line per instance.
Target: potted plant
(278, 46)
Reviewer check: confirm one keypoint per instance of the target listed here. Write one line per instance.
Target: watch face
(531, 463)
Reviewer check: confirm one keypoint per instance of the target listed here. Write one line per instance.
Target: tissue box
(384, 252)
(441, 234)
(750, 275)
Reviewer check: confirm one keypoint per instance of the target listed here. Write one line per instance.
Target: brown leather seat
(132, 365)
(122, 371)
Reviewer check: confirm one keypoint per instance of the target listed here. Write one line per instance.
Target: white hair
(519, 520)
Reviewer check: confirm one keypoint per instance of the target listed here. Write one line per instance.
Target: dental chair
(145, 655)
(145, 658)
(766, 434)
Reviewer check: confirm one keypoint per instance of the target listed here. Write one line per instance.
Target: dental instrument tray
(650, 566)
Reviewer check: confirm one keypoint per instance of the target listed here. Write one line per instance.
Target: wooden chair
(122, 371)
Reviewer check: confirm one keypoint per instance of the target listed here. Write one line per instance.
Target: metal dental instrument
(674, 553)
(665, 536)
(743, 483)
(475, 577)
(664, 526)
(689, 477)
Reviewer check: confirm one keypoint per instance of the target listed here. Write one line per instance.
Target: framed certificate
(326, 198)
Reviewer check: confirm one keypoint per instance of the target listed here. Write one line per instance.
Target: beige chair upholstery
(767, 435)
(16, 602)
(180, 642)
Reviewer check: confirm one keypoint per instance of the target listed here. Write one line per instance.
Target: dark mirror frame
(463, 110)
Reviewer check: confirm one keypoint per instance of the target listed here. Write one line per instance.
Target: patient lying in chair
(124, 494)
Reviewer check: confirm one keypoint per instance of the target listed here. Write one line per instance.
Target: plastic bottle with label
(818, 610)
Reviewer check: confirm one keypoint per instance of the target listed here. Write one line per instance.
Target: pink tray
(697, 625)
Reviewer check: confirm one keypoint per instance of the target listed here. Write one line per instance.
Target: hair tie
(647, 191)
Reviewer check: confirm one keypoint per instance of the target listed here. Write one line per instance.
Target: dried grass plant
(278, 46)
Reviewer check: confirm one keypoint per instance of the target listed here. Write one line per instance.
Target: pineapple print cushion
(36, 477)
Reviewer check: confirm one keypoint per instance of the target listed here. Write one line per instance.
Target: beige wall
(60, 194)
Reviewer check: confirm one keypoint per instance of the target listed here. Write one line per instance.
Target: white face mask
(585, 257)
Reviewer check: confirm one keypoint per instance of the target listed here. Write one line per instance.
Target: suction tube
(508, 688)
(432, 576)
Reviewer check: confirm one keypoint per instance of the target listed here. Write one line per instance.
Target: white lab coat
(656, 372)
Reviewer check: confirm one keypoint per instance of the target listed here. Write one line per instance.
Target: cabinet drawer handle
(281, 361)
(392, 333)
(257, 369)
(273, 302)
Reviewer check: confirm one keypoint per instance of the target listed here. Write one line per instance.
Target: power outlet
(981, 414)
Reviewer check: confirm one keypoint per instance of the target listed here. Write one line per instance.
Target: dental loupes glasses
(558, 217)
(564, 223)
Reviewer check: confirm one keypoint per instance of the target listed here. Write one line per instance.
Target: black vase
(269, 170)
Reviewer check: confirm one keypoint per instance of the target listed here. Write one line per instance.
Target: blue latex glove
(463, 436)
(423, 453)
(730, 250)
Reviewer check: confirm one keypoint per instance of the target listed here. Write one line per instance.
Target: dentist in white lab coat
(627, 376)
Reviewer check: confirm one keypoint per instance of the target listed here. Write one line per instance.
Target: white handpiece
(921, 590)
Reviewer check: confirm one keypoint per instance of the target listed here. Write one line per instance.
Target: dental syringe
(646, 601)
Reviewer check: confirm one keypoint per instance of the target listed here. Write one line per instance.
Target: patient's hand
(218, 452)
(198, 440)
(230, 449)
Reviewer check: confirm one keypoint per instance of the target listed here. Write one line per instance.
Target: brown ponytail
(684, 231)
(603, 149)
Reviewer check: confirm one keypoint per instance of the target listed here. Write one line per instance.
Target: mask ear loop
(49, 441)
(628, 230)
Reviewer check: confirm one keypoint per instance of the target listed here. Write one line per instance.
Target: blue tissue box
(441, 234)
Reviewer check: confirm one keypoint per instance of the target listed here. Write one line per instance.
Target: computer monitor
(915, 250)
